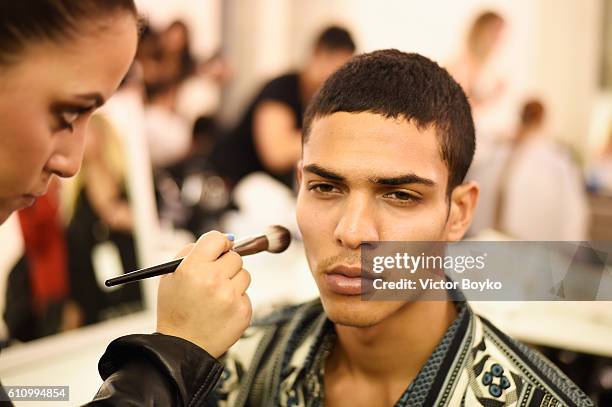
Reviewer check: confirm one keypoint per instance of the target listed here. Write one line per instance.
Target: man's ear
(463, 201)
(298, 173)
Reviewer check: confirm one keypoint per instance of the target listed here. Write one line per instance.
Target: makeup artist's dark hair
(25, 21)
(395, 84)
(335, 38)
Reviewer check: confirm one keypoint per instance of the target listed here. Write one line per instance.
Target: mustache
(349, 258)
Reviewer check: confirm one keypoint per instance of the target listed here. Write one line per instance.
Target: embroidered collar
(303, 383)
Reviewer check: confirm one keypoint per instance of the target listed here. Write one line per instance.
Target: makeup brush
(275, 240)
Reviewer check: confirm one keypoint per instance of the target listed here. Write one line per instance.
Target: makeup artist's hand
(204, 300)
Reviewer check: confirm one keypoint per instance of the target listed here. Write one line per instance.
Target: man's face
(364, 177)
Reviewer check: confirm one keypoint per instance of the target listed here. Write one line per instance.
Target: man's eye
(322, 188)
(403, 196)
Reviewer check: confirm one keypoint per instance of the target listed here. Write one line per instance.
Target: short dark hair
(335, 38)
(24, 21)
(395, 84)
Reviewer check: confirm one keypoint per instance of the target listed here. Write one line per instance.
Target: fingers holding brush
(184, 251)
(241, 281)
(204, 300)
(210, 246)
(231, 264)
(276, 240)
(203, 297)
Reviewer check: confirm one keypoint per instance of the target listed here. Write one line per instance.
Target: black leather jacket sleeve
(155, 370)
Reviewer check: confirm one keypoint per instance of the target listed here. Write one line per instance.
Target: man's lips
(352, 272)
(347, 280)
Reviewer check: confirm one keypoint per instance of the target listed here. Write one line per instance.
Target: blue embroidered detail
(496, 387)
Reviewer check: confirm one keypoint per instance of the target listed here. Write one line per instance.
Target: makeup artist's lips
(345, 280)
(27, 201)
(30, 199)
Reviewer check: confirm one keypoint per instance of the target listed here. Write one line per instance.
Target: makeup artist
(59, 61)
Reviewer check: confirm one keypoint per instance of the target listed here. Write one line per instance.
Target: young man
(267, 137)
(386, 145)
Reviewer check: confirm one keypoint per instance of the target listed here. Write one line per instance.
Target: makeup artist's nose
(357, 223)
(68, 155)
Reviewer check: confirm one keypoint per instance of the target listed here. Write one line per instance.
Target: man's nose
(357, 223)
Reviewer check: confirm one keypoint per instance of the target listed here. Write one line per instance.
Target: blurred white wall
(256, 42)
(568, 64)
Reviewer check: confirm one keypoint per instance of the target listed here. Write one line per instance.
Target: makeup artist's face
(364, 177)
(46, 100)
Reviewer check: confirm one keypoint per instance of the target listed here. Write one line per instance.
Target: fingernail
(230, 237)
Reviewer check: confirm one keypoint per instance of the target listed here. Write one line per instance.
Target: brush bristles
(279, 238)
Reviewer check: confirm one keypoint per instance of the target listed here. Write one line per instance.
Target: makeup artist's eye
(68, 116)
(66, 120)
(322, 188)
(403, 197)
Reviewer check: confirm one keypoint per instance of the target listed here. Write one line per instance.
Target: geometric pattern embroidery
(493, 374)
(496, 381)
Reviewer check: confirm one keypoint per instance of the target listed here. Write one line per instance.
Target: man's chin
(345, 320)
(353, 311)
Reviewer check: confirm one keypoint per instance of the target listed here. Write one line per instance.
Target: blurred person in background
(483, 39)
(200, 94)
(148, 55)
(71, 55)
(166, 56)
(179, 92)
(200, 196)
(600, 171)
(474, 69)
(599, 182)
(166, 61)
(167, 132)
(531, 187)
(267, 138)
(177, 62)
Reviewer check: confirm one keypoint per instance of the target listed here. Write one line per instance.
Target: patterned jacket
(280, 360)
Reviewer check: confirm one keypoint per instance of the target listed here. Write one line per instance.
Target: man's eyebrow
(403, 179)
(387, 181)
(323, 173)
(95, 96)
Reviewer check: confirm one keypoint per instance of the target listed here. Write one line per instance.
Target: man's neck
(396, 348)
